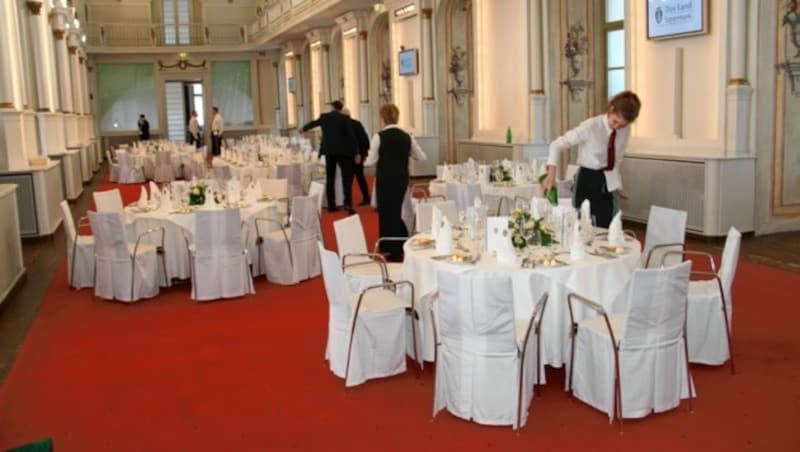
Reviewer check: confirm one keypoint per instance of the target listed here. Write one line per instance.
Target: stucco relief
(786, 166)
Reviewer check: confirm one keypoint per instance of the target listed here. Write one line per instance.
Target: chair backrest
(278, 188)
(109, 235)
(656, 301)
(476, 311)
(108, 157)
(222, 173)
(305, 218)
(730, 259)
(163, 158)
(463, 194)
(217, 233)
(316, 188)
(69, 224)
(663, 226)
(108, 201)
(350, 235)
(293, 174)
(333, 276)
(424, 213)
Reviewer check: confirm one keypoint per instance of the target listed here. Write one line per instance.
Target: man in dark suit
(339, 145)
(361, 155)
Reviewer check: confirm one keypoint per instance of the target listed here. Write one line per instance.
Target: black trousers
(346, 164)
(591, 185)
(358, 172)
(216, 144)
(390, 194)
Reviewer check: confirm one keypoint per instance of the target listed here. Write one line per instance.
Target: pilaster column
(536, 98)
(13, 153)
(428, 101)
(73, 45)
(363, 79)
(739, 91)
(325, 59)
(59, 19)
(278, 111)
(49, 123)
(298, 92)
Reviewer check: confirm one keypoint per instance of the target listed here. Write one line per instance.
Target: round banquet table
(508, 190)
(599, 278)
(175, 223)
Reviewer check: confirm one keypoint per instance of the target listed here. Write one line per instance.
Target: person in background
(217, 129)
(390, 149)
(144, 128)
(339, 146)
(361, 154)
(601, 143)
(194, 130)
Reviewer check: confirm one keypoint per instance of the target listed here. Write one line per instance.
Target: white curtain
(231, 92)
(126, 90)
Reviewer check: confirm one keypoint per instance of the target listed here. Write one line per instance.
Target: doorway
(182, 98)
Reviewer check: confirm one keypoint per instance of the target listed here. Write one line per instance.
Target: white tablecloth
(527, 191)
(597, 278)
(175, 223)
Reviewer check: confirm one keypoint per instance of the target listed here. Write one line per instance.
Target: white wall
(408, 88)
(350, 65)
(501, 69)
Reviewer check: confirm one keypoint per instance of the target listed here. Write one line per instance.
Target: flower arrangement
(528, 231)
(197, 194)
(499, 173)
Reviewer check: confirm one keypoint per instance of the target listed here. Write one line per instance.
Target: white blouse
(375, 145)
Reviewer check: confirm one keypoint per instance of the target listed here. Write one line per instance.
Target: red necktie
(612, 155)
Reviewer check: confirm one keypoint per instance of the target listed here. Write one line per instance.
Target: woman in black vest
(390, 149)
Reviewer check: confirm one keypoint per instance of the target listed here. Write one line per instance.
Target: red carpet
(249, 374)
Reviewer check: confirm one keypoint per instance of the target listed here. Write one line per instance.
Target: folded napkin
(142, 197)
(477, 203)
(533, 165)
(155, 193)
(444, 240)
(165, 204)
(615, 235)
(586, 216)
(576, 250)
(209, 201)
(436, 221)
(484, 172)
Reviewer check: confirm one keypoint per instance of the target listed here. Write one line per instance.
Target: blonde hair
(390, 113)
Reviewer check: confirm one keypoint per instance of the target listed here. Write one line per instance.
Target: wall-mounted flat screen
(676, 18)
(408, 63)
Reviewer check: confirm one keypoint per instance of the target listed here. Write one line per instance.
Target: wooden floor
(42, 256)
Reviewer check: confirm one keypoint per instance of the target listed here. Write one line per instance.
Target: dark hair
(390, 113)
(216, 110)
(626, 104)
(337, 105)
(141, 115)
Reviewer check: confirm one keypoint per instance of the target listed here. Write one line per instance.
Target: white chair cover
(163, 170)
(276, 188)
(129, 173)
(350, 239)
(219, 262)
(80, 253)
(294, 176)
(663, 226)
(379, 333)
(652, 360)
(424, 214)
(463, 194)
(479, 356)
(293, 257)
(109, 201)
(113, 168)
(222, 173)
(115, 268)
(318, 189)
(705, 321)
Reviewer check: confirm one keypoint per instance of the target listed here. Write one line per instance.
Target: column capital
(738, 82)
(427, 13)
(362, 35)
(80, 60)
(34, 7)
(59, 34)
(325, 47)
(73, 50)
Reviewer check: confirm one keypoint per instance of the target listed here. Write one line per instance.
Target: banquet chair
(290, 255)
(463, 194)
(633, 363)
(486, 361)
(109, 201)
(710, 306)
(129, 172)
(424, 214)
(163, 171)
(496, 205)
(113, 168)
(317, 188)
(80, 251)
(362, 268)
(222, 173)
(277, 189)
(124, 271)
(218, 256)
(666, 231)
(366, 329)
(196, 168)
(294, 178)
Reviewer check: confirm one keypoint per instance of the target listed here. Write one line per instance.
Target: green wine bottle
(552, 196)
(508, 135)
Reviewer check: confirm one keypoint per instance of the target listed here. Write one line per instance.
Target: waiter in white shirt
(194, 130)
(217, 128)
(601, 143)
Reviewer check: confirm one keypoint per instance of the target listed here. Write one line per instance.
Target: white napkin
(477, 203)
(535, 208)
(166, 201)
(234, 191)
(436, 220)
(576, 250)
(142, 197)
(483, 174)
(533, 166)
(506, 254)
(209, 201)
(444, 240)
(615, 235)
(586, 216)
(155, 193)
